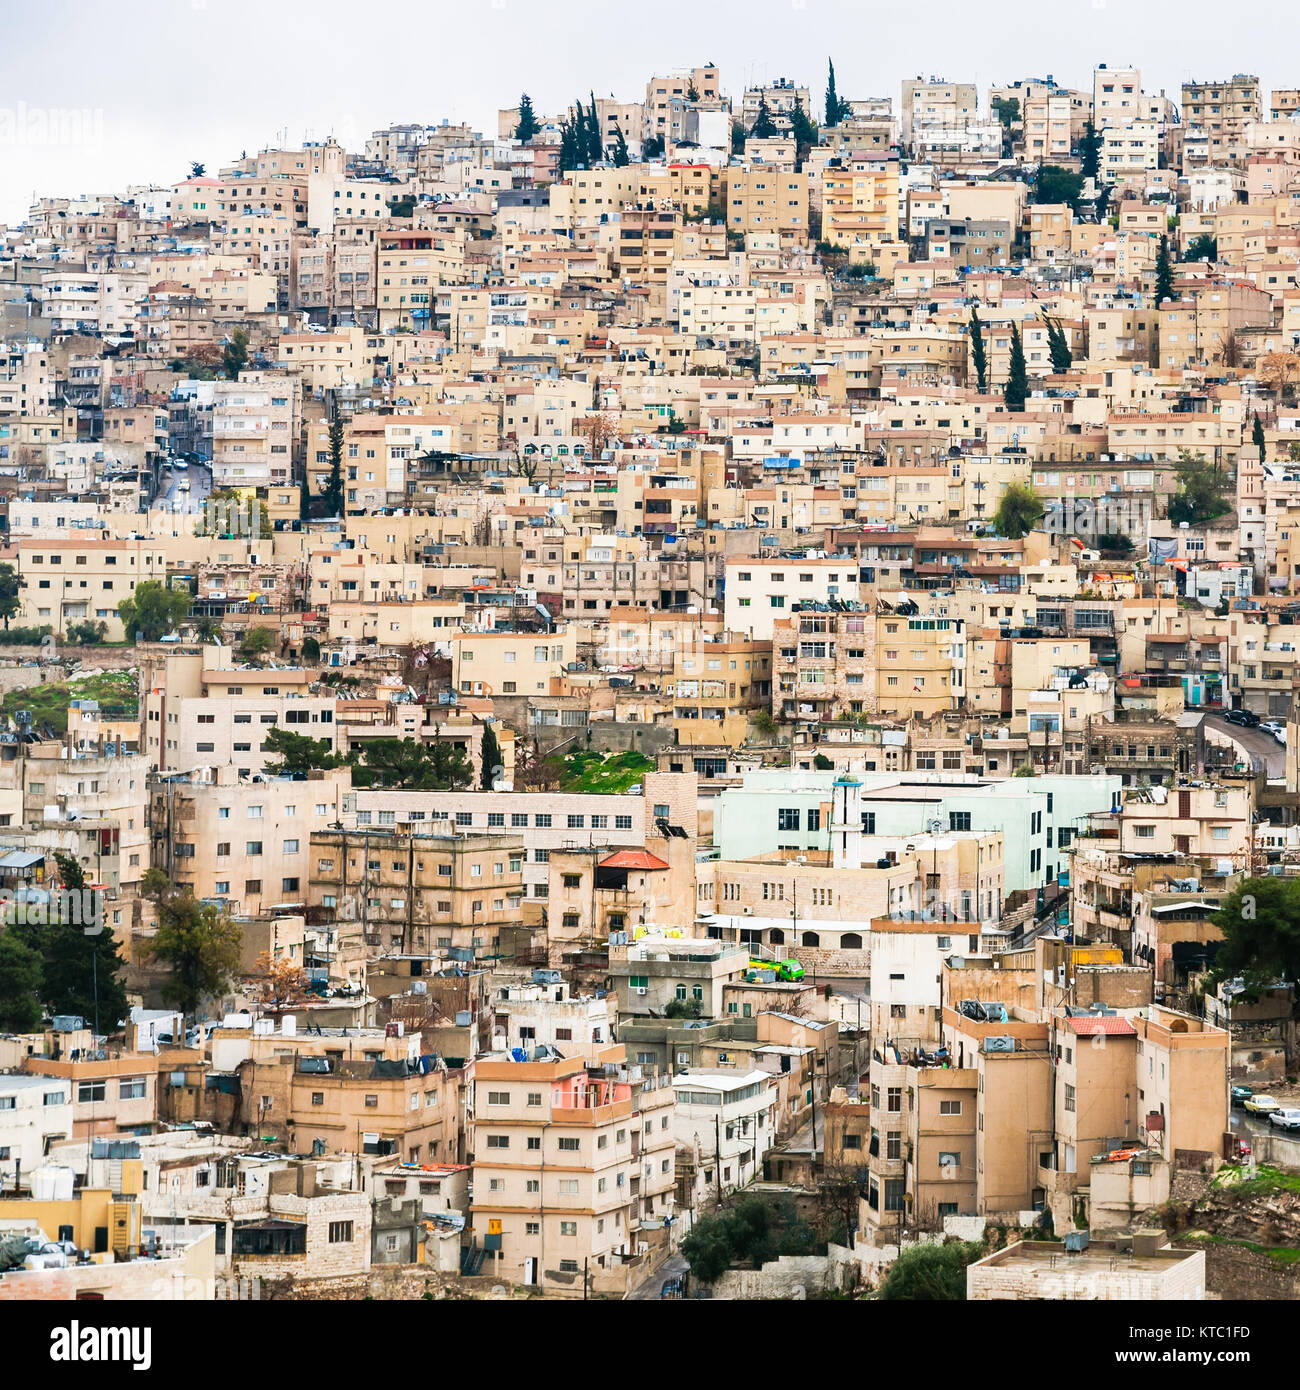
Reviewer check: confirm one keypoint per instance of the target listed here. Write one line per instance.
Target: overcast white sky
(94, 96)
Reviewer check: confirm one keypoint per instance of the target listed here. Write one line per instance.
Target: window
(950, 1107)
(340, 1232)
(131, 1088)
(787, 818)
(498, 1097)
(498, 1141)
(1069, 1097)
(894, 1100)
(88, 1091)
(568, 1228)
(569, 1145)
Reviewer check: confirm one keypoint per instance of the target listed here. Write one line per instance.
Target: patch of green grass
(1280, 1254)
(1266, 1180)
(118, 693)
(596, 772)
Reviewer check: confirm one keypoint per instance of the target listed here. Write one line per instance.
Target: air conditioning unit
(999, 1044)
(642, 989)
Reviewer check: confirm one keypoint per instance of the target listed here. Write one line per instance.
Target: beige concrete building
(572, 1170)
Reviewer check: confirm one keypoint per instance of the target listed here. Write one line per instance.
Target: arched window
(850, 941)
(777, 937)
(810, 938)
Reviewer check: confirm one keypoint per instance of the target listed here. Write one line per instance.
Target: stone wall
(791, 1276)
(822, 960)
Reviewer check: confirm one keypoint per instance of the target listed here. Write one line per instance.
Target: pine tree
(804, 132)
(1164, 273)
(1017, 387)
(835, 109)
(620, 148)
(764, 126)
(978, 354)
(333, 490)
(1257, 436)
(527, 126)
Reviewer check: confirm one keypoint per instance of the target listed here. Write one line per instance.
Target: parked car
(1261, 1105)
(1287, 1118)
(1241, 1094)
(1276, 728)
(1244, 717)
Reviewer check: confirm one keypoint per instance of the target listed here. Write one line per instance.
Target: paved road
(674, 1267)
(200, 481)
(1264, 749)
(1286, 1144)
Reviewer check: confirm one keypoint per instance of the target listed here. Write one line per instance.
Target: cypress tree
(835, 109)
(1257, 436)
(1164, 274)
(1017, 387)
(978, 354)
(333, 490)
(620, 148)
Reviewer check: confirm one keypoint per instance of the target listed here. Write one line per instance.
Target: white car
(1286, 1118)
(1276, 728)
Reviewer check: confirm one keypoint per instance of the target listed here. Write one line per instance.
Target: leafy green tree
(930, 1273)
(1007, 110)
(332, 493)
(620, 156)
(836, 110)
(402, 209)
(1019, 510)
(234, 354)
(1017, 387)
(1057, 185)
(1090, 152)
(1260, 922)
(414, 766)
(527, 125)
(490, 750)
(197, 942)
(749, 1233)
(89, 633)
(1202, 490)
(10, 584)
(310, 649)
(21, 981)
(1058, 345)
(979, 354)
(652, 147)
(298, 753)
(822, 763)
(1164, 273)
(803, 130)
(764, 126)
(82, 971)
(153, 610)
(1202, 248)
(1257, 436)
(256, 642)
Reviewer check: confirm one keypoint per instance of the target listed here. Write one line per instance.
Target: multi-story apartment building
(573, 1169)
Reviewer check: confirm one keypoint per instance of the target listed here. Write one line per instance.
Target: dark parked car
(1244, 717)
(1241, 1094)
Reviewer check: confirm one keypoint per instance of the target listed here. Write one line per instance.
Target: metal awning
(21, 859)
